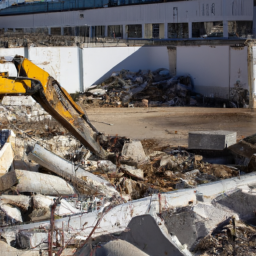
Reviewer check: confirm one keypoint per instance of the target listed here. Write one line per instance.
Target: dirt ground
(171, 125)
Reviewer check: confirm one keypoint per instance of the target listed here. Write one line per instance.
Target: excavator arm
(36, 82)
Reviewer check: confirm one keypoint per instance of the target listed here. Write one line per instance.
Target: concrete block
(134, 150)
(211, 140)
(26, 181)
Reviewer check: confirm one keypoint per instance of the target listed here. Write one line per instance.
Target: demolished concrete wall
(25, 181)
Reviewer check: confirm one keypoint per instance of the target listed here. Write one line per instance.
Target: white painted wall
(238, 67)
(9, 67)
(99, 63)
(187, 11)
(214, 69)
(208, 66)
(60, 62)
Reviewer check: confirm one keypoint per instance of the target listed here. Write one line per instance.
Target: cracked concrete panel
(145, 234)
(242, 203)
(186, 225)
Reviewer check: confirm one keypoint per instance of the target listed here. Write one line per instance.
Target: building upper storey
(183, 19)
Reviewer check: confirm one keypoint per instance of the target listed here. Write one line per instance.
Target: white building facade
(183, 19)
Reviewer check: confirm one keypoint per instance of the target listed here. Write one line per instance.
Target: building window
(134, 31)
(115, 31)
(56, 31)
(177, 30)
(98, 31)
(240, 29)
(207, 29)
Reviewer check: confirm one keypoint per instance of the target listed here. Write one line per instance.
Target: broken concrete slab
(20, 201)
(116, 219)
(211, 140)
(117, 248)
(106, 166)
(32, 239)
(12, 212)
(25, 181)
(7, 250)
(45, 202)
(132, 171)
(245, 147)
(25, 165)
(135, 151)
(156, 242)
(87, 182)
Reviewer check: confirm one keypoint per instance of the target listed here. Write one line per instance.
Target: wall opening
(177, 30)
(134, 31)
(240, 29)
(98, 31)
(115, 31)
(56, 31)
(207, 29)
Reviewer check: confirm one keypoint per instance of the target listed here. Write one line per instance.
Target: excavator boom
(34, 81)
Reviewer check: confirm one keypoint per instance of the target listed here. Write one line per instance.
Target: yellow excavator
(34, 81)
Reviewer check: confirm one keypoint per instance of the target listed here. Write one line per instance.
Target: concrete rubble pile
(63, 199)
(155, 89)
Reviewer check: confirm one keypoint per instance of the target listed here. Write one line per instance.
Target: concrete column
(62, 31)
(49, 31)
(143, 30)
(225, 28)
(161, 30)
(106, 31)
(124, 32)
(165, 30)
(147, 31)
(90, 31)
(251, 76)
(190, 29)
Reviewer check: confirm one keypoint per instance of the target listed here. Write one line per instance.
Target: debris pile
(155, 89)
(55, 194)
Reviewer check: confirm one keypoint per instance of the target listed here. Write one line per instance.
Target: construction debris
(25, 181)
(155, 89)
(185, 204)
(85, 181)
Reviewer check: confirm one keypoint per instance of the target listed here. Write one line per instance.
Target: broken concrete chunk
(40, 214)
(25, 165)
(245, 147)
(212, 140)
(7, 138)
(31, 239)
(119, 247)
(132, 171)
(106, 166)
(139, 88)
(191, 174)
(12, 212)
(25, 181)
(45, 202)
(86, 182)
(134, 150)
(168, 162)
(97, 92)
(20, 201)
